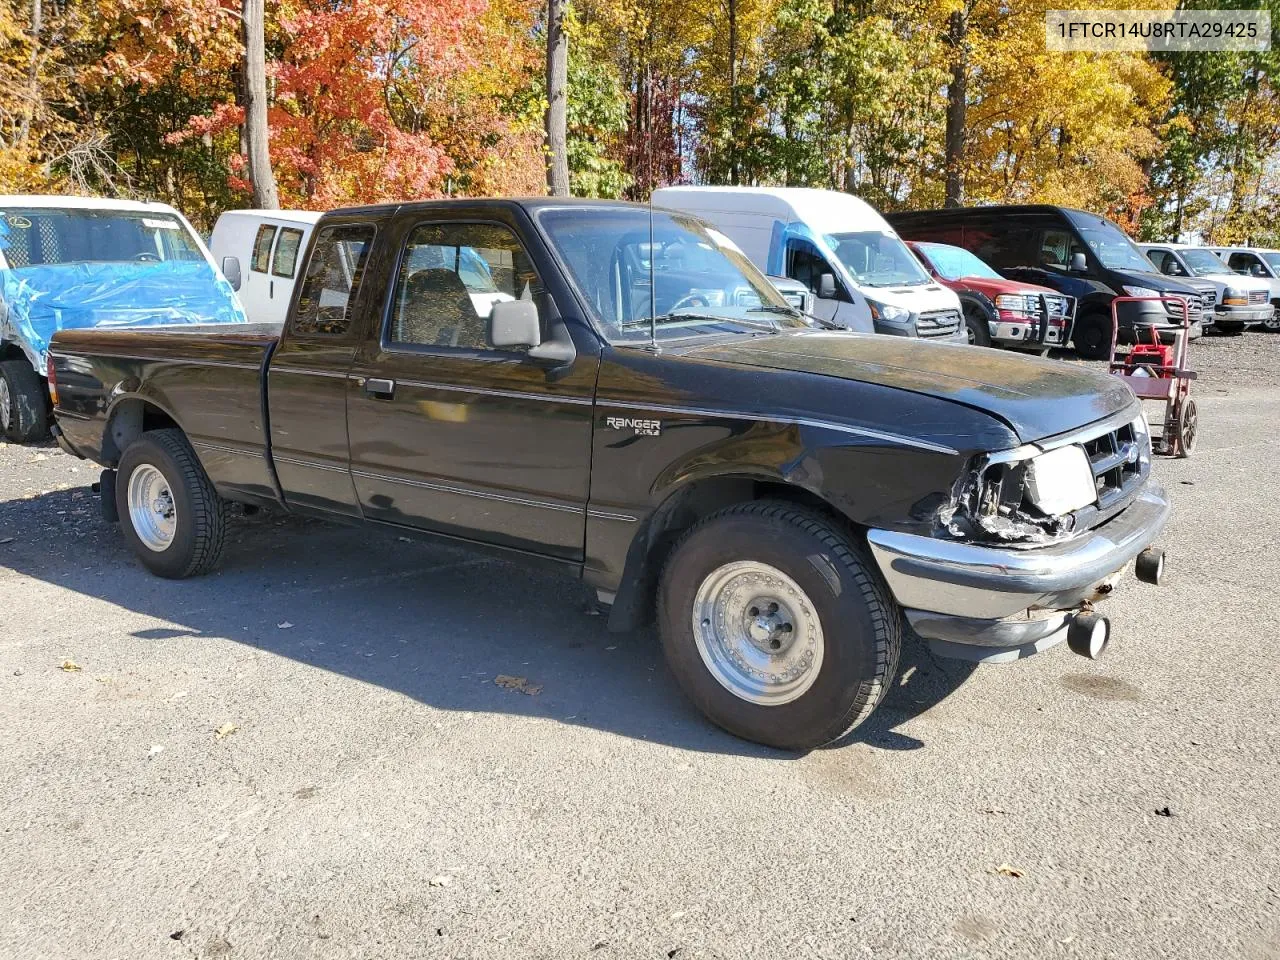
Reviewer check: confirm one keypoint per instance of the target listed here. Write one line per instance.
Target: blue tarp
(37, 301)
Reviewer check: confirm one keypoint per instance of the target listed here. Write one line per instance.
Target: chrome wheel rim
(757, 633)
(6, 403)
(152, 511)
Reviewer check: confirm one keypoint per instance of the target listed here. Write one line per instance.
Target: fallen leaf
(1164, 812)
(1007, 871)
(226, 730)
(520, 684)
(70, 666)
(440, 881)
(284, 625)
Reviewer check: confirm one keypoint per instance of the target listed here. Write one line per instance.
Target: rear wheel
(776, 626)
(976, 328)
(24, 403)
(1092, 336)
(171, 516)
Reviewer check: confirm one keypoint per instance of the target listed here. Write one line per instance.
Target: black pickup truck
(619, 393)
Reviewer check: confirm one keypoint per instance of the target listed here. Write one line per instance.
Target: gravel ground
(306, 755)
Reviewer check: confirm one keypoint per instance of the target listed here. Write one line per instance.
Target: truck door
(307, 379)
(450, 434)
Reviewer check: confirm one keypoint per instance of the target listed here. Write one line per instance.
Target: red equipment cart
(1158, 371)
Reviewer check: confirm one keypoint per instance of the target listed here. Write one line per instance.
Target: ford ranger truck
(620, 394)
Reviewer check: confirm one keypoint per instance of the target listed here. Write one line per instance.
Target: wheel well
(634, 603)
(129, 420)
(11, 351)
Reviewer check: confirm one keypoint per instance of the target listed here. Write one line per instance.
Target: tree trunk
(557, 100)
(733, 92)
(265, 195)
(33, 72)
(957, 103)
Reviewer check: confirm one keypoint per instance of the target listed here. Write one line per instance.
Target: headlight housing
(887, 311)
(1061, 481)
(1141, 291)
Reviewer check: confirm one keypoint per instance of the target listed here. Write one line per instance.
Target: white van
(259, 252)
(1235, 301)
(862, 275)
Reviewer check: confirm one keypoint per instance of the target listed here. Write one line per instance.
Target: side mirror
(515, 323)
(826, 287)
(1078, 262)
(231, 270)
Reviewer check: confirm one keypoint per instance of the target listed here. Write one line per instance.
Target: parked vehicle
(999, 312)
(1080, 254)
(258, 252)
(1260, 263)
(68, 262)
(860, 273)
(1236, 301)
(643, 410)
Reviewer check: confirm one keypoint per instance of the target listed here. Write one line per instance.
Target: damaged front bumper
(1002, 602)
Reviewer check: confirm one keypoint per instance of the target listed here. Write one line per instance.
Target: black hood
(1182, 286)
(1036, 398)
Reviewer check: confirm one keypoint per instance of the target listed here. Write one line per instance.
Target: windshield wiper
(771, 308)
(674, 317)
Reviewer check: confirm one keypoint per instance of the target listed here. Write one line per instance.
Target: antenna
(653, 288)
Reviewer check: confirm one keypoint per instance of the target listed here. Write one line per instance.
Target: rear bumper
(1004, 598)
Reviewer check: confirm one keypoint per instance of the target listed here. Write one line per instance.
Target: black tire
(1188, 428)
(1273, 325)
(27, 420)
(861, 623)
(976, 326)
(201, 515)
(1092, 336)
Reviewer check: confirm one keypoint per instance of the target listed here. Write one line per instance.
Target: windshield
(692, 279)
(42, 236)
(1116, 251)
(877, 259)
(956, 262)
(1203, 263)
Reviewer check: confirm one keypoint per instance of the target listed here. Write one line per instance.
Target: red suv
(999, 312)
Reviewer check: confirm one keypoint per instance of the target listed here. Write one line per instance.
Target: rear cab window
(332, 280)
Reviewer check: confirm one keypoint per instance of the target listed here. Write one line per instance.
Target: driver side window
(450, 277)
(806, 265)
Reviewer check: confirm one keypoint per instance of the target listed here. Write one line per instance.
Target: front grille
(1257, 296)
(1195, 307)
(938, 323)
(1120, 458)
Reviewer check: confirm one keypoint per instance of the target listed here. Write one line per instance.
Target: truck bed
(205, 378)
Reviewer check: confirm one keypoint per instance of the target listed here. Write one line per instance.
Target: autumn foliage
(374, 100)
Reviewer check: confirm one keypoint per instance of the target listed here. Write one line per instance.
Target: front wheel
(170, 514)
(1272, 323)
(1092, 336)
(776, 626)
(976, 328)
(24, 403)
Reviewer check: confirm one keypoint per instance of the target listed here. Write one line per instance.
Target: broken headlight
(1022, 495)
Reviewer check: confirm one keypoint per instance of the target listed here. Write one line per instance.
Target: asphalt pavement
(306, 754)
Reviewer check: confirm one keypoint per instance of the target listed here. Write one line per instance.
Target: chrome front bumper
(1006, 597)
(1254, 314)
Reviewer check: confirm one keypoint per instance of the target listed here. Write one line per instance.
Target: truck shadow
(433, 622)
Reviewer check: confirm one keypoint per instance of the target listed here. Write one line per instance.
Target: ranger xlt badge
(647, 428)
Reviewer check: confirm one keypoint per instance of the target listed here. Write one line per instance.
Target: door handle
(380, 389)
(271, 290)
